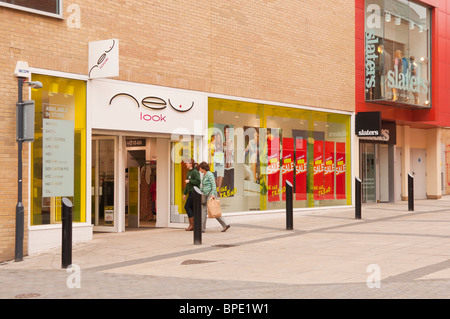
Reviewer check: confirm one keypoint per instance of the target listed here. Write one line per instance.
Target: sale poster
(273, 168)
(287, 166)
(340, 170)
(300, 168)
(318, 187)
(329, 170)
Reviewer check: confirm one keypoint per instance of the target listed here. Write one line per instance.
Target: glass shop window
(58, 153)
(397, 53)
(253, 149)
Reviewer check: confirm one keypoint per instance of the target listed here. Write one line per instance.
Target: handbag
(213, 207)
(205, 198)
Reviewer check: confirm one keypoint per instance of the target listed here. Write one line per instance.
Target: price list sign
(57, 151)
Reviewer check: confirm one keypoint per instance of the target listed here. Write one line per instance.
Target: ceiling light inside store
(398, 20)
(69, 91)
(53, 89)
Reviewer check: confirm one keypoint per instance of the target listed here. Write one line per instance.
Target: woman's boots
(191, 224)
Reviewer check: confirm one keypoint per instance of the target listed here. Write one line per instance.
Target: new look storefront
(141, 135)
(253, 149)
(116, 149)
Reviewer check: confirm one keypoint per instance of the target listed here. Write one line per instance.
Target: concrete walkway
(389, 253)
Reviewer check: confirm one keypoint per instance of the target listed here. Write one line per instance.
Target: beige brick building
(296, 54)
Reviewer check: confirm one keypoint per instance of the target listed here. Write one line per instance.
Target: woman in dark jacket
(192, 179)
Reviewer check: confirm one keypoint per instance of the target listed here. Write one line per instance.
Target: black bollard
(358, 198)
(197, 216)
(410, 192)
(66, 248)
(289, 207)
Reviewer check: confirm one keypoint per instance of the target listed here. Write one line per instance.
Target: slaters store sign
(368, 124)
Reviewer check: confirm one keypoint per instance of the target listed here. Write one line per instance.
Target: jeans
(189, 206)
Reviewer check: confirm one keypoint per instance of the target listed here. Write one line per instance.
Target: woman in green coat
(209, 190)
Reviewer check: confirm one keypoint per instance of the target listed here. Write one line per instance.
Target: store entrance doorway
(140, 184)
(368, 172)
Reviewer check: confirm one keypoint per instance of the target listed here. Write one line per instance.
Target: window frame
(58, 15)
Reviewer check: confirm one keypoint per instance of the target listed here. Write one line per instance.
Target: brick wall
(299, 52)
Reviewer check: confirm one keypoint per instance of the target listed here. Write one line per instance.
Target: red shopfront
(402, 52)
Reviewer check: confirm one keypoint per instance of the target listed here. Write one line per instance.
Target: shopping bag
(213, 207)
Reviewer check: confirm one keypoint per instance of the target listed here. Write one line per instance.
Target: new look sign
(126, 106)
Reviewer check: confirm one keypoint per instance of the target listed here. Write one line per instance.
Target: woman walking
(209, 190)
(192, 179)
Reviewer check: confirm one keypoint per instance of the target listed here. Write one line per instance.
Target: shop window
(397, 53)
(58, 153)
(47, 7)
(253, 149)
(184, 150)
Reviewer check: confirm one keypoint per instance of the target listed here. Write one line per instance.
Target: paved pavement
(389, 253)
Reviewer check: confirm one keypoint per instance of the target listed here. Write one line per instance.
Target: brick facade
(294, 52)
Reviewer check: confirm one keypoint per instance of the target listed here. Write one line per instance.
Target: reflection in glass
(368, 172)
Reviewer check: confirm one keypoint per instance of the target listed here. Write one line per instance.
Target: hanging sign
(103, 59)
(368, 124)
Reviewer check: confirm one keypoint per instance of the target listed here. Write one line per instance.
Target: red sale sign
(318, 163)
(340, 171)
(273, 169)
(300, 169)
(287, 166)
(329, 171)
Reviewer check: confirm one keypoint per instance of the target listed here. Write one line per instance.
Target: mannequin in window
(219, 162)
(413, 66)
(385, 65)
(405, 66)
(252, 151)
(229, 158)
(398, 64)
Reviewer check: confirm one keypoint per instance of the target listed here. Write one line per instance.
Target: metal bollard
(410, 192)
(289, 207)
(358, 198)
(66, 248)
(197, 216)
